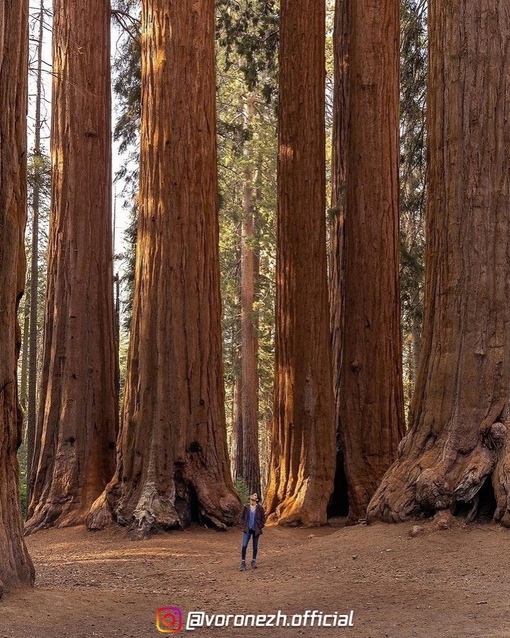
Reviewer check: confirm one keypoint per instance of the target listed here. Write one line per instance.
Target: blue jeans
(246, 540)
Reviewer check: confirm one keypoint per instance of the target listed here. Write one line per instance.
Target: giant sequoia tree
(77, 421)
(365, 246)
(15, 565)
(302, 455)
(458, 440)
(172, 462)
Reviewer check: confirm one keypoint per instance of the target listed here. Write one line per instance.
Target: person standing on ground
(254, 519)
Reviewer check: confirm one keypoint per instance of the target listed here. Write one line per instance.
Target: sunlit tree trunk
(15, 566)
(77, 421)
(303, 446)
(458, 440)
(365, 246)
(172, 463)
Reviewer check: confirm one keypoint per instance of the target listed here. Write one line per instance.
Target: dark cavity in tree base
(339, 502)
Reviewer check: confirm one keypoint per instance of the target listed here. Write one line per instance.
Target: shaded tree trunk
(365, 257)
(15, 565)
(249, 340)
(458, 438)
(172, 460)
(77, 421)
(303, 448)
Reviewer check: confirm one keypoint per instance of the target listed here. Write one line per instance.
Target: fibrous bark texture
(15, 565)
(172, 461)
(74, 454)
(303, 446)
(365, 246)
(458, 439)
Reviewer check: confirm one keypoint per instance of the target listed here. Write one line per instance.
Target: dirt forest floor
(382, 580)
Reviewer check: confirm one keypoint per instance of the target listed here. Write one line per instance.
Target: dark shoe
(254, 564)
(243, 566)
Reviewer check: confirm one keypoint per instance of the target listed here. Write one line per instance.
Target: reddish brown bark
(172, 462)
(458, 439)
(302, 456)
(77, 421)
(365, 248)
(15, 565)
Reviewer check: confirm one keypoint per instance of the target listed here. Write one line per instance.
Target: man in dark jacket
(254, 519)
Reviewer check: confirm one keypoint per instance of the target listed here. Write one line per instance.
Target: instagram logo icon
(168, 619)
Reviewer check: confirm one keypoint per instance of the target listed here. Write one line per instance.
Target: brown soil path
(450, 584)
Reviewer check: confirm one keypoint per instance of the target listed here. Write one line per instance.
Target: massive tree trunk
(303, 447)
(78, 407)
(365, 246)
(15, 565)
(458, 439)
(172, 461)
(249, 341)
